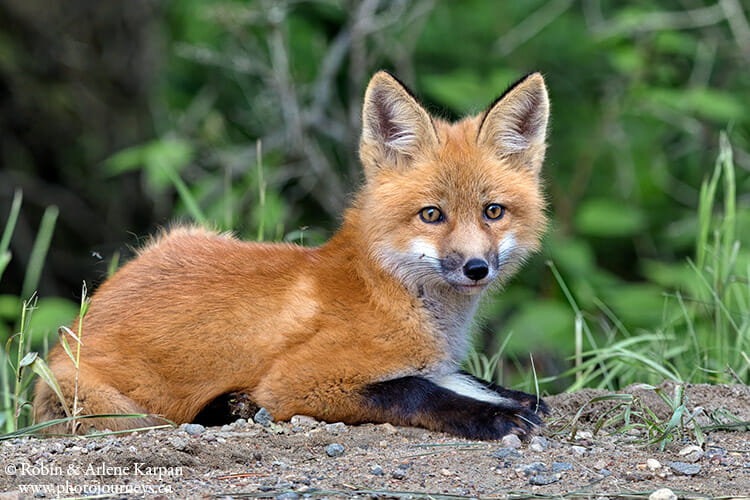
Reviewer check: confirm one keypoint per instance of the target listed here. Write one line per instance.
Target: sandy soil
(297, 460)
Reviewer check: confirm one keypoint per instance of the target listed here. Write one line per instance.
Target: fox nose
(476, 269)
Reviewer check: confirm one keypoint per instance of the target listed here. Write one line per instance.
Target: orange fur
(303, 330)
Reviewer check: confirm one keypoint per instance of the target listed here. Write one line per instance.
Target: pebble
(662, 494)
(531, 468)
(507, 454)
(57, 448)
(336, 428)
(685, 469)
(653, 464)
(539, 443)
(377, 470)
(578, 450)
(398, 474)
(263, 417)
(178, 443)
(584, 435)
(193, 429)
(334, 450)
(561, 466)
(511, 441)
(387, 428)
(601, 464)
(303, 421)
(289, 495)
(691, 453)
(542, 479)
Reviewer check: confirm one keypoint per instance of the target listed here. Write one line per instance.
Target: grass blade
(40, 367)
(39, 251)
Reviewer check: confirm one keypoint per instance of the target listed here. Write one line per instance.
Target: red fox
(369, 327)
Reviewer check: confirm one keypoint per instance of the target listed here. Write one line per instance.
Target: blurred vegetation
(128, 116)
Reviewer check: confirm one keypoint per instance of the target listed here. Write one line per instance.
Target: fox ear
(395, 126)
(515, 125)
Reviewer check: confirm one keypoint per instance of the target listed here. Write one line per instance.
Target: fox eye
(494, 211)
(431, 215)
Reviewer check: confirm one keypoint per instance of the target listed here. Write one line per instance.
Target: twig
(531, 25)
(738, 24)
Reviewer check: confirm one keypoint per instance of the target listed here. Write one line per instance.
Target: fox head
(452, 205)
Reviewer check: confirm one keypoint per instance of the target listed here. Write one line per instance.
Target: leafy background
(128, 116)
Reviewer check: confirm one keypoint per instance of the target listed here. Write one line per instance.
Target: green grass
(704, 334)
(17, 362)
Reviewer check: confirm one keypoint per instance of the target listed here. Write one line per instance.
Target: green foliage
(31, 320)
(703, 328)
(628, 412)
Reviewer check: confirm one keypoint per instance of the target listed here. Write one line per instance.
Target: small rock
(334, 450)
(601, 464)
(685, 469)
(561, 466)
(57, 448)
(445, 472)
(507, 454)
(653, 464)
(289, 495)
(377, 470)
(303, 421)
(178, 443)
(634, 476)
(584, 435)
(398, 474)
(511, 441)
(578, 450)
(263, 417)
(239, 423)
(662, 494)
(542, 479)
(539, 443)
(226, 428)
(715, 451)
(193, 429)
(532, 468)
(691, 453)
(387, 428)
(336, 428)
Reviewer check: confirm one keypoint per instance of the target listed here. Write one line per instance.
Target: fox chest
(449, 320)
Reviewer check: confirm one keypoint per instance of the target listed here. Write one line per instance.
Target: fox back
(371, 326)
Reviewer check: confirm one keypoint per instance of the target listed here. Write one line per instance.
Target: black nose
(476, 269)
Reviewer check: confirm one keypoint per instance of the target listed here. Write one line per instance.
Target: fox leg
(94, 398)
(526, 400)
(456, 404)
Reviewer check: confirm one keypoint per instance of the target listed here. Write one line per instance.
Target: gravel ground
(305, 458)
